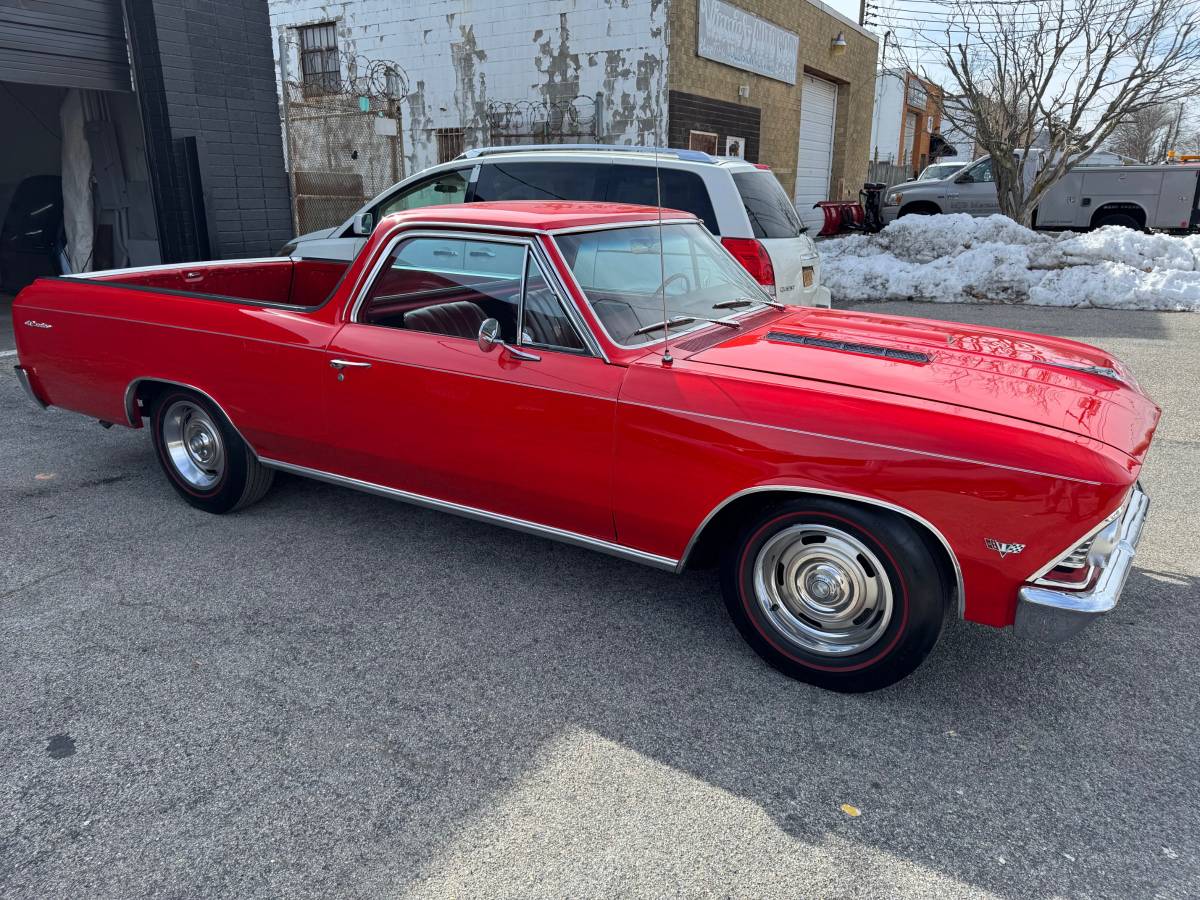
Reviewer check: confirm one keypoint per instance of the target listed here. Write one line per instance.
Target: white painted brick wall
(521, 50)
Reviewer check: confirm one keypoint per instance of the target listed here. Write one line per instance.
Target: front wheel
(203, 456)
(840, 596)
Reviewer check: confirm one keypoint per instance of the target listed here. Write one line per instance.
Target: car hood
(1035, 378)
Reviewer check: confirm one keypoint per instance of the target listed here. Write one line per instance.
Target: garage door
(65, 43)
(818, 109)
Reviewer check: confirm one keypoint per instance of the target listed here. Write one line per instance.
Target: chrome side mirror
(363, 224)
(489, 335)
(489, 340)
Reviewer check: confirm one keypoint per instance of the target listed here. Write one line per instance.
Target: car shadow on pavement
(332, 694)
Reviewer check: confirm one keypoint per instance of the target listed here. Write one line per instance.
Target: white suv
(741, 203)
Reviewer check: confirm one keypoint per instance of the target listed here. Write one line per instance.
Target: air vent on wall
(848, 347)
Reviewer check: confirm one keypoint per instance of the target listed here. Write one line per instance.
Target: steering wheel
(674, 277)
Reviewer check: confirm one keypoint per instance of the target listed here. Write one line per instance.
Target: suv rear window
(541, 181)
(770, 211)
(680, 190)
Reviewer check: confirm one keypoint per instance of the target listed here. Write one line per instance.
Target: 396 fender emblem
(32, 324)
(1002, 548)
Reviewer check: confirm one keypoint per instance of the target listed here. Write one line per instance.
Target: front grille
(848, 347)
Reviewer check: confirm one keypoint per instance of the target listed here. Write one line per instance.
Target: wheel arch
(1129, 208)
(733, 510)
(919, 207)
(141, 391)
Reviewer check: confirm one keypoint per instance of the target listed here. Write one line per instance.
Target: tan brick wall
(853, 71)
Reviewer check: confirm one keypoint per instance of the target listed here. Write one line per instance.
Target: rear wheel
(837, 595)
(1123, 220)
(203, 456)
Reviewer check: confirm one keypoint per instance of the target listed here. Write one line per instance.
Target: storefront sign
(733, 36)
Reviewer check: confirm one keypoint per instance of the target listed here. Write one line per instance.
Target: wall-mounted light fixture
(838, 45)
(744, 91)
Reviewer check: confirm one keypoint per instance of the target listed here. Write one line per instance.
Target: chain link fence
(343, 134)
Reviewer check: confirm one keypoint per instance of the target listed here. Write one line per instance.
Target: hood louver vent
(848, 347)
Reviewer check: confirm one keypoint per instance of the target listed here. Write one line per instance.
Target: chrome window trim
(527, 238)
(960, 591)
(609, 226)
(675, 335)
(471, 512)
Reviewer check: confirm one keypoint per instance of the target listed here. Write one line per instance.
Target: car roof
(537, 215)
(667, 156)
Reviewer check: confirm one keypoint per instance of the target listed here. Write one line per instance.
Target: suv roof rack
(689, 155)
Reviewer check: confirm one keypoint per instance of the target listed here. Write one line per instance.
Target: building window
(704, 141)
(320, 66)
(450, 143)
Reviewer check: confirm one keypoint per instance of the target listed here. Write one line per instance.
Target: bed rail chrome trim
(665, 563)
(960, 592)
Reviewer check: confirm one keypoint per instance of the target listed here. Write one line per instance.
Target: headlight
(893, 199)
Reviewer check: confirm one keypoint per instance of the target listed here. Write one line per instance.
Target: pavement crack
(34, 583)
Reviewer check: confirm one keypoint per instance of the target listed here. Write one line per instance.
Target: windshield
(624, 280)
(940, 170)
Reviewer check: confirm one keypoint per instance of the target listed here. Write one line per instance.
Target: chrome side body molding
(482, 515)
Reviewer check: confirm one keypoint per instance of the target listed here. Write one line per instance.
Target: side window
(451, 285)
(541, 181)
(544, 322)
(448, 187)
(447, 286)
(982, 172)
(680, 190)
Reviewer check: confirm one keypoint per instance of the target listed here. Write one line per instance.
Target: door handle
(340, 364)
(490, 254)
(193, 276)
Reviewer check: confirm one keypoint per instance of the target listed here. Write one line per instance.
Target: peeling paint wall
(463, 57)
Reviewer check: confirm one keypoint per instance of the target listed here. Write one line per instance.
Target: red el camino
(852, 476)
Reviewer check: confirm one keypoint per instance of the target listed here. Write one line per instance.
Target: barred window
(449, 143)
(320, 67)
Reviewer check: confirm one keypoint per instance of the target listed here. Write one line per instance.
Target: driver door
(416, 405)
(974, 191)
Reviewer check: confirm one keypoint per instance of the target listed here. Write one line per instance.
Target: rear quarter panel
(261, 364)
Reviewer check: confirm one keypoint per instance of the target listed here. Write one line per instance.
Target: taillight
(754, 259)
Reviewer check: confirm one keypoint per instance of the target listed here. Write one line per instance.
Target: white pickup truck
(1165, 198)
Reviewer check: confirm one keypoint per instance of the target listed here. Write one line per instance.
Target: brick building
(145, 131)
(785, 83)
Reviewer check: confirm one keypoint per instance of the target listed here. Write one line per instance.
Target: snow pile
(964, 259)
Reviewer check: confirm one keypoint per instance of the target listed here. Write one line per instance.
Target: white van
(741, 203)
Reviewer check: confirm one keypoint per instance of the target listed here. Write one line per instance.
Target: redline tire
(204, 458)
(853, 601)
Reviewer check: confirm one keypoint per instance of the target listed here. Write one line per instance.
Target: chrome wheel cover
(193, 443)
(823, 590)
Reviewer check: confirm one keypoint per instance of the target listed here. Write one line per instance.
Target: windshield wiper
(737, 304)
(685, 320)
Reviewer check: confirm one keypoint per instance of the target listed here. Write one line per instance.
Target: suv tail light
(754, 259)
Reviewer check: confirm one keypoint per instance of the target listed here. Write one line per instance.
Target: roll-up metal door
(818, 112)
(65, 43)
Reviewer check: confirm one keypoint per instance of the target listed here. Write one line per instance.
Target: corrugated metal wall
(66, 43)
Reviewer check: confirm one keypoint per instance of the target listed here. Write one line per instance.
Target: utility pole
(862, 12)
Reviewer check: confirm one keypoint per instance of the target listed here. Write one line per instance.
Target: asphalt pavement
(333, 695)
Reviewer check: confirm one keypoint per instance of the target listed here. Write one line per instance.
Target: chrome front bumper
(1049, 615)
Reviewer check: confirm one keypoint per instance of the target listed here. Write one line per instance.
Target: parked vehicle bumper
(1051, 615)
(23, 377)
